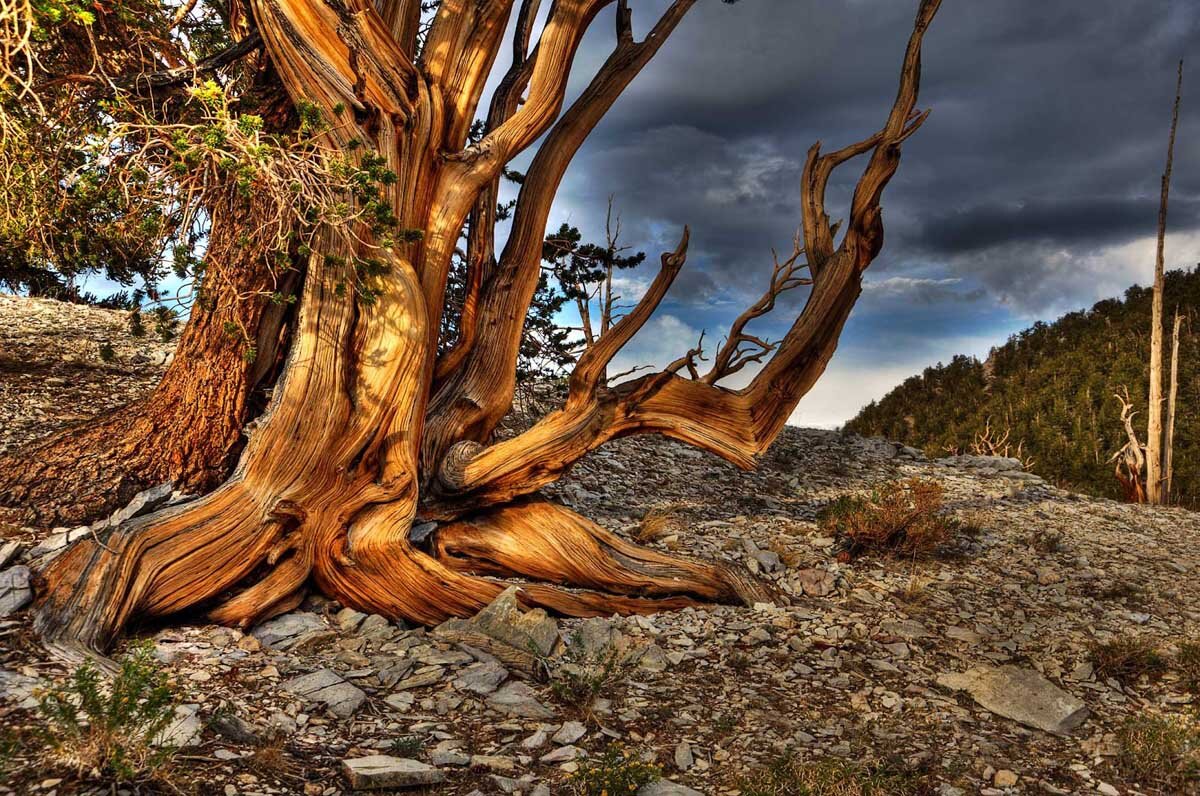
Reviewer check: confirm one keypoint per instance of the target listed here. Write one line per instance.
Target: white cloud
(855, 377)
(1071, 279)
(660, 342)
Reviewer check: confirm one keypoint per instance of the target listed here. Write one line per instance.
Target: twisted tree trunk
(361, 442)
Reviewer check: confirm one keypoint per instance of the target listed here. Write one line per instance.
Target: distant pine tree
(1050, 388)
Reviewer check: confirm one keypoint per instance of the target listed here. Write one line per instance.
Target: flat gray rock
(518, 699)
(1019, 694)
(143, 502)
(16, 589)
(18, 688)
(8, 551)
(384, 771)
(58, 541)
(569, 733)
(481, 678)
(665, 787)
(327, 687)
(184, 730)
(285, 631)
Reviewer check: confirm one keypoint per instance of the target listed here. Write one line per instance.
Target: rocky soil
(974, 669)
(51, 368)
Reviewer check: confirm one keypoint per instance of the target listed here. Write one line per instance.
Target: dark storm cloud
(1047, 135)
(1093, 221)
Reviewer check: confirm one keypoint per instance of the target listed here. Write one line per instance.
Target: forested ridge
(1051, 389)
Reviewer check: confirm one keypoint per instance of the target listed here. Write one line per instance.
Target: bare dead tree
(1169, 448)
(1154, 449)
(1131, 458)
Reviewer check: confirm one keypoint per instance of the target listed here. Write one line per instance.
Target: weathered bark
(351, 449)
(1172, 395)
(1154, 451)
(187, 430)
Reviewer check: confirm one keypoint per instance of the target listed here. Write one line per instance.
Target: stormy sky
(1032, 189)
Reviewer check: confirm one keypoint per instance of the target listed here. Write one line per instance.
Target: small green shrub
(903, 518)
(111, 727)
(580, 678)
(788, 776)
(614, 773)
(1188, 664)
(1159, 750)
(1127, 658)
(407, 746)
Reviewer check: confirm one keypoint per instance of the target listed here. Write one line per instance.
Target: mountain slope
(1051, 388)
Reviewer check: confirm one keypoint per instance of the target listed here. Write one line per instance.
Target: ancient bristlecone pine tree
(370, 434)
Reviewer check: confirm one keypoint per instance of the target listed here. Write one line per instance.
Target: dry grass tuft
(659, 521)
(1161, 751)
(834, 777)
(1127, 658)
(902, 518)
(1187, 662)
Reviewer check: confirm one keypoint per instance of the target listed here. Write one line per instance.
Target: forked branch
(737, 425)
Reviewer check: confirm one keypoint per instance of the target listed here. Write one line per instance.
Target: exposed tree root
(543, 541)
(190, 555)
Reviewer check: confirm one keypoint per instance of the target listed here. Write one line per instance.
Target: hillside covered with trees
(1051, 389)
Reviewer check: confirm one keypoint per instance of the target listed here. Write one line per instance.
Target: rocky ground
(972, 671)
(52, 372)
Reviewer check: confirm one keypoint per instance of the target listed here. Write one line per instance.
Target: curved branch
(337, 54)
(473, 399)
(738, 426)
(458, 57)
(589, 371)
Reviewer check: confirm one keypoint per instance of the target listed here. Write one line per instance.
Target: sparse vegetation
(1162, 751)
(581, 677)
(1187, 662)
(407, 746)
(1047, 541)
(788, 776)
(1051, 386)
(904, 518)
(112, 727)
(1127, 658)
(613, 773)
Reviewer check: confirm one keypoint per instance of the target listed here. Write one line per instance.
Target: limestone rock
(284, 632)
(383, 771)
(665, 787)
(184, 730)
(16, 589)
(518, 699)
(327, 687)
(481, 678)
(569, 733)
(1019, 694)
(506, 621)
